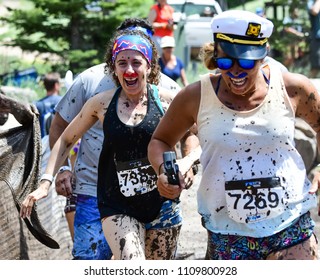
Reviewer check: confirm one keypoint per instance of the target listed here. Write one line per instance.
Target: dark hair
(50, 80)
(133, 22)
(154, 76)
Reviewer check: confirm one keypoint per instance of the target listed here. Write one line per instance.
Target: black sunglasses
(225, 63)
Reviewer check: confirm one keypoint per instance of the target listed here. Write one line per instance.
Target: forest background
(72, 34)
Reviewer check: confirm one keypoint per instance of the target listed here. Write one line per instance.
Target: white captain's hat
(242, 34)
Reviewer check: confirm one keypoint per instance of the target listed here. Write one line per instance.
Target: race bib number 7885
(136, 177)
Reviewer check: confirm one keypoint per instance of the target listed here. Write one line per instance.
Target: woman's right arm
(180, 116)
(80, 124)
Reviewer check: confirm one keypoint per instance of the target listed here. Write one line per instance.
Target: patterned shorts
(89, 241)
(235, 247)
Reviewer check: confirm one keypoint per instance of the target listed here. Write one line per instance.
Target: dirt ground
(193, 236)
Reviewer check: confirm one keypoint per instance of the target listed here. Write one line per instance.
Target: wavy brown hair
(154, 76)
(207, 53)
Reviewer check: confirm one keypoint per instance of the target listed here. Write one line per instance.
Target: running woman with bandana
(80, 185)
(137, 222)
(254, 196)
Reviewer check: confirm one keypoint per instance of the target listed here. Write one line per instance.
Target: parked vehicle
(193, 18)
(186, 8)
(18, 77)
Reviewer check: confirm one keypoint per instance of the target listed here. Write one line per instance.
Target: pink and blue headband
(132, 42)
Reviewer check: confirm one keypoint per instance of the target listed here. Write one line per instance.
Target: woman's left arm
(179, 117)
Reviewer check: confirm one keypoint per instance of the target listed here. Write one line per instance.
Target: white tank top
(256, 144)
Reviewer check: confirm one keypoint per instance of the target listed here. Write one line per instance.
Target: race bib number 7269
(254, 200)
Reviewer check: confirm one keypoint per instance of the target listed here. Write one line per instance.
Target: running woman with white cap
(254, 196)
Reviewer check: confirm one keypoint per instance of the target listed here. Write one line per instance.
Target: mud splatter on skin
(133, 243)
(139, 116)
(163, 244)
(311, 97)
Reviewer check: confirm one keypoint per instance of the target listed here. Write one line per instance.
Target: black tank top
(123, 145)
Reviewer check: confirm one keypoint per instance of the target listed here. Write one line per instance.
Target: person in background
(254, 196)
(171, 65)
(293, 33)
(207, 12)
(79, 184)
(45, 105)
(260, 12)
(314, 15)
(137, 222)
(161, 18)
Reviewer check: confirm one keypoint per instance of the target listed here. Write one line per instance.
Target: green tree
(70, 29)
(277, 11)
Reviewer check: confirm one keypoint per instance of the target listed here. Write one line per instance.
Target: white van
(185, 8)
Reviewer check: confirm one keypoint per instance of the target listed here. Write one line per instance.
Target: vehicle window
(192, 9)
(176, 7)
